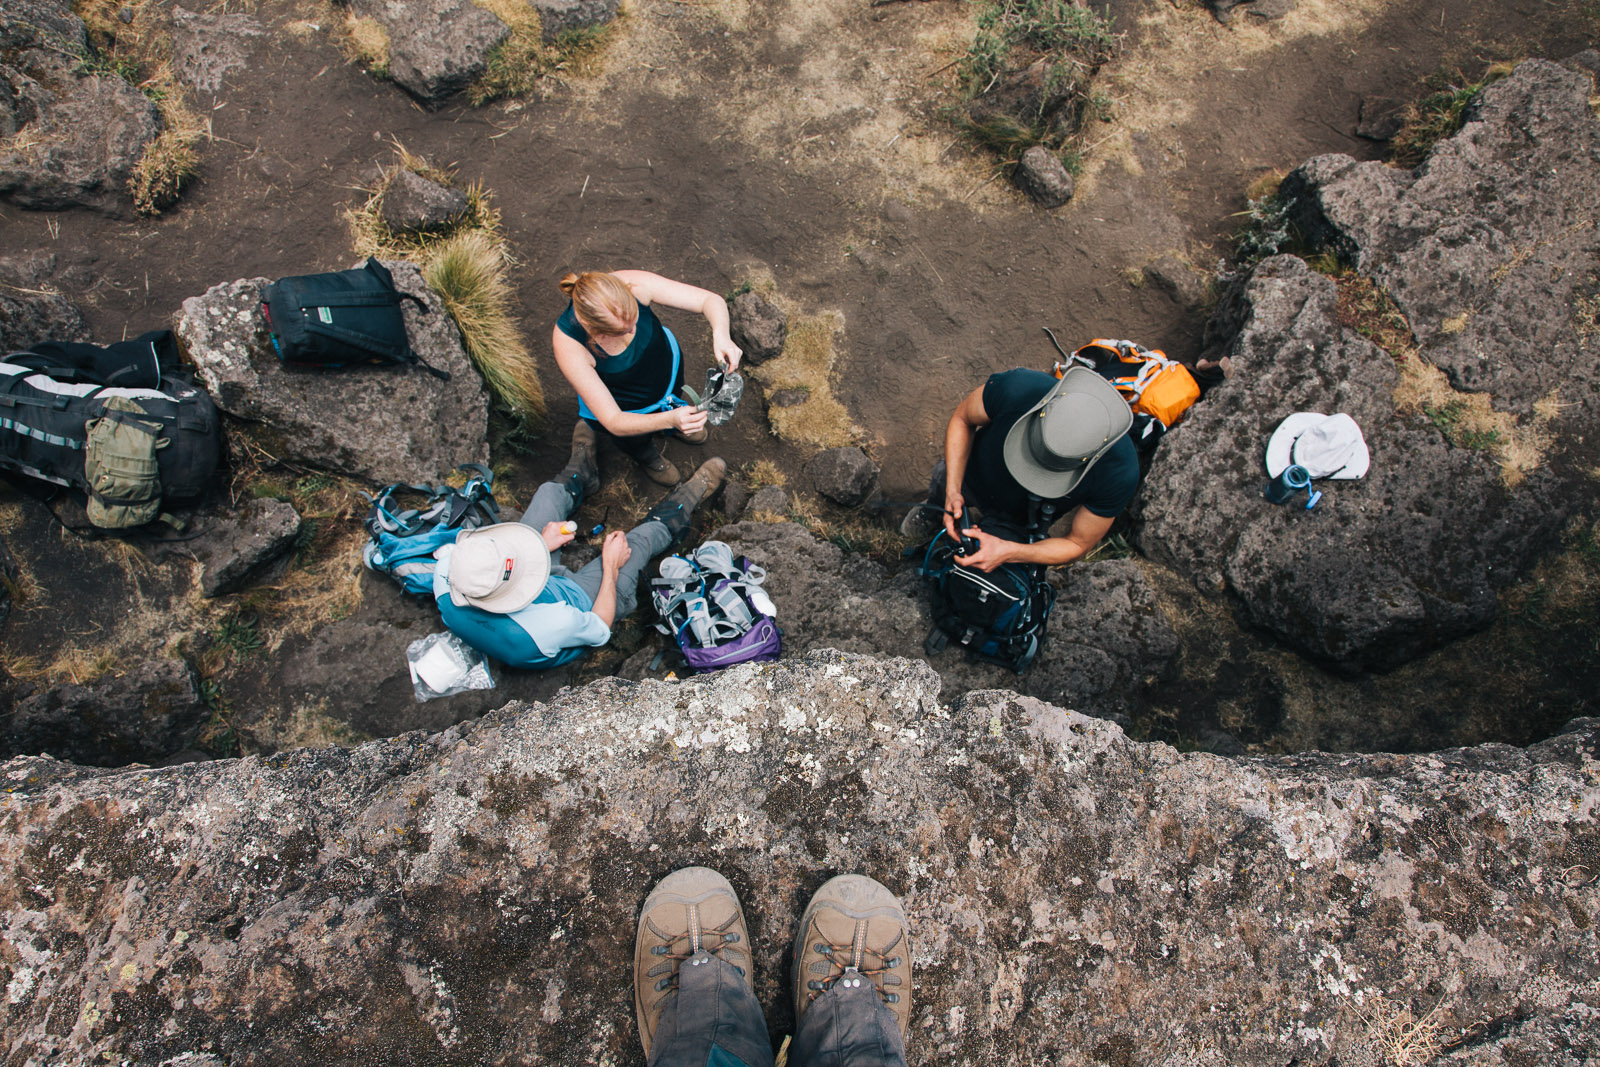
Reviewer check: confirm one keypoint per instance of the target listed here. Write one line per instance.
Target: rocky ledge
(470, 896)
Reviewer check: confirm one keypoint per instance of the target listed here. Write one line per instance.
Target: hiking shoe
(658, 468)
(691, 914)
(922, 521)
(677, 509)
(853, 930)
(582, 470)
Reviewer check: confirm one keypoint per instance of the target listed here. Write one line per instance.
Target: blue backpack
(402, 540)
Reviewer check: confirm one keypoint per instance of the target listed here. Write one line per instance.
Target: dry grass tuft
(468, 271)
(1469, 420)
(79, 666)
(364, 42)
(522, 63)
(1396, 1034)
(762, 473)
(129, 39)
(819, 420)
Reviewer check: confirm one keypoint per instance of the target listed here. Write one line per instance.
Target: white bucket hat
(1327, 446)
(1050, 449)
(498, 568)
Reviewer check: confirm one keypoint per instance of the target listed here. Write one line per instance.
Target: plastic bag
(443, 665)
(721, 398)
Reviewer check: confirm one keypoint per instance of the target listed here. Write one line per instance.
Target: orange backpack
(1152, 384)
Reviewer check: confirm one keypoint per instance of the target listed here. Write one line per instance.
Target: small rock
(558, 16)
(844, 475)
(789, 398)
(735, 495)
(1041, 176)
(758, 326)
(414, 204)
(237, 550)
(769, 500)
(1269, 10)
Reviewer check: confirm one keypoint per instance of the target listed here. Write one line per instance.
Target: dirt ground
(798, 144)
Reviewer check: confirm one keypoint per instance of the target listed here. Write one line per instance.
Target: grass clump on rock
(1026, 78)
(465, 263)
(129, 40)
(1440, 114)
(517, 65)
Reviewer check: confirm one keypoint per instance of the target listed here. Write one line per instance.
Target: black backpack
(997, 615)
(325, 321)
(90, 418)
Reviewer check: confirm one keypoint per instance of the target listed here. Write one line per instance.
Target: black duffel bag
(344, 318)
(134, 449)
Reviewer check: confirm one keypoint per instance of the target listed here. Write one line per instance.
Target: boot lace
(680, 947)
(852, 962)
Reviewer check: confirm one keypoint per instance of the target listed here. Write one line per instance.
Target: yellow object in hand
(569, 527)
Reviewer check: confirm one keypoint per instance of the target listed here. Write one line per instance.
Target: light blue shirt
(558, 627)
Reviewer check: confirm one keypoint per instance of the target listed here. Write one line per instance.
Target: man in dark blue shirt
(1023, 435)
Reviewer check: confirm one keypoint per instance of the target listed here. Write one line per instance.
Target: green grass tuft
(1440, 114)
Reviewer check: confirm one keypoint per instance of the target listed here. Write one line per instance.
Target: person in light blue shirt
(503, 590)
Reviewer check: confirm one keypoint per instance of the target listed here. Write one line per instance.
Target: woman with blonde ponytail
(626, 366)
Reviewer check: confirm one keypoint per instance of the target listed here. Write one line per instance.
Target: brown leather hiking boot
(854, 930)
(677, 508)
(583, 468)
(689, 911)
(658, 468)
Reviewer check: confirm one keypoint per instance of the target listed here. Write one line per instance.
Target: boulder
(758, 326)
(1042, 176)
(239, 547)
(30, 309)
(1105, 642)
(206, 47)
(1487, 247)
(72, 140)
(436, 47)
(844, 475)
(1073, 896)
(384, 424)
(564, 16)
(414, 204)
(1385, 567)
(142, 715)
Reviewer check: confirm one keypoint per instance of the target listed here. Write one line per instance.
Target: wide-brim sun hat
(498, 568)
(1058, 441)
(1327, 446)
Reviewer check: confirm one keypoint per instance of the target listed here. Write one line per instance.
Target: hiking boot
(658, 468)
(677, 509)
(852, 931)
(691, 915)
(582, 472)
(922, 521)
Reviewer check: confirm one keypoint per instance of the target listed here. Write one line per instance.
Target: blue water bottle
(1288, 484)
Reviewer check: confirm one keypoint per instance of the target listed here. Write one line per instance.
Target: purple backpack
(713, 606)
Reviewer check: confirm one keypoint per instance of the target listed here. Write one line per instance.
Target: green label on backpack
(325, 314)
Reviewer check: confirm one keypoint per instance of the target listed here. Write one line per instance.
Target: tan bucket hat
(1050, 449)
(498, 568)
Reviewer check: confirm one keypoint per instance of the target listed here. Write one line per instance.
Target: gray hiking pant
(715, 1021)
(552, 503)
